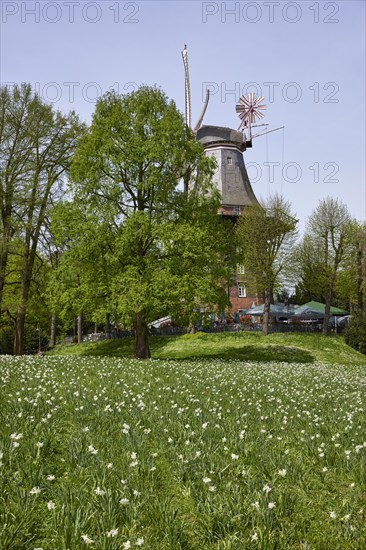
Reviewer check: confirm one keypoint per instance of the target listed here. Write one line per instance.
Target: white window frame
(240, 269)
(242, 291)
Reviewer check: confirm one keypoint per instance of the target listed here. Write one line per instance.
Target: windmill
(188, 96)
(250, 109)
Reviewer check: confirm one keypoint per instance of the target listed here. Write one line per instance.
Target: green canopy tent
(317, 309)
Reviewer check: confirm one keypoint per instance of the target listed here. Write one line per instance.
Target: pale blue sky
(310, 51)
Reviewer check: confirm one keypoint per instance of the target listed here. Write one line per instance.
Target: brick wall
(238, 303)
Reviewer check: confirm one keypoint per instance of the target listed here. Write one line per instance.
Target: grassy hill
(289, 348)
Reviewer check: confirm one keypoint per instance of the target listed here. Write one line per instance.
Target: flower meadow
(203, 454)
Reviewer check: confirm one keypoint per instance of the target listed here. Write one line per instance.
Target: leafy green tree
(351, 281)
(267, 233)
(79, 284)
(168, 245)
(322, 251)
(35, 152)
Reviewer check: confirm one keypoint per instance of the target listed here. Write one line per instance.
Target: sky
(306, 58)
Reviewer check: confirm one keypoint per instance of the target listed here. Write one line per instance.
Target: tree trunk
(3, 265)
(53, 330)
(19, 330)
(266, 311)
(359, 278)
(80, 329)
(95, 328)
(142, 349)
(108, 325)
(328, 300)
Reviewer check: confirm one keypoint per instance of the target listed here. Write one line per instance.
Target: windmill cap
(218, 134)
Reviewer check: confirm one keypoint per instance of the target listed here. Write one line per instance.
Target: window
(229, 161)
(240, 269)
(237, 210)
(242, 291)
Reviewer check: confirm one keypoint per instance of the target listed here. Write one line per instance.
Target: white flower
(92, 451)
(39, 445)
(99, 491)
(51, 505)
(282, 472)
(136, 493)
(16, 436)
(254, 537)
(255, 505)
(85, 430)
(140, 541)
(267, 489)
(333, 515)
(109, 465)
(50, 477)
(124, 501)
(15, 444)
(325, 469)
(35, 491)
(271, 505)
(86, 539)
(346, 517)
(112, 533)
(234, 456)
(206, 480)
(126, 545)
(212, 488)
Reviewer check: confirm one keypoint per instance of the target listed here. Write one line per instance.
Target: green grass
(203, 454)
(289, 347)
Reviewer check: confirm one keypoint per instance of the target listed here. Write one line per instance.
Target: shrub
(355, 333)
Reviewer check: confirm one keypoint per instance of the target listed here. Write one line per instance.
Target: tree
(266, 233)
(36, 148)
(323, 247)
(351, 280)
(83, 245)
(168, 245)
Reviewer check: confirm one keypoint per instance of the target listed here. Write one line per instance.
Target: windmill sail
(187, 87)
